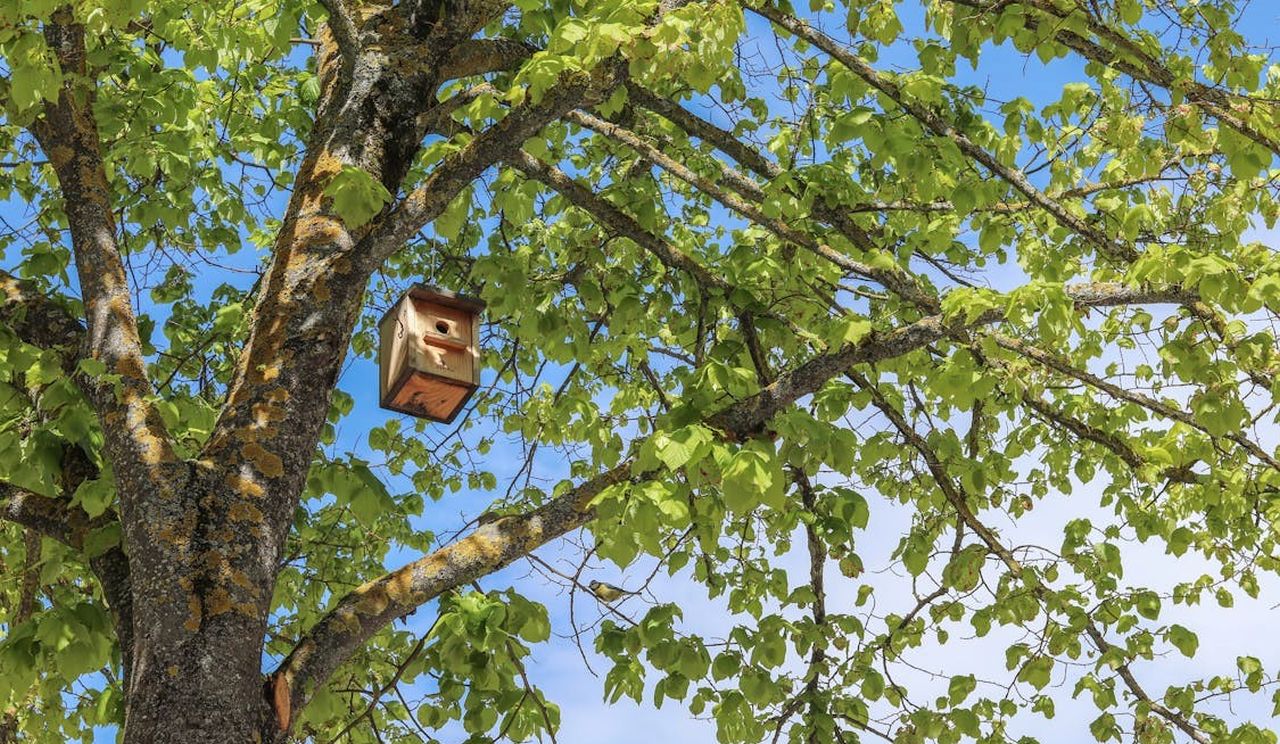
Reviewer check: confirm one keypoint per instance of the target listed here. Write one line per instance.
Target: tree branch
(136, 438)
(894, 279)
(148, 475)
(722, 139)
(429, 199)
(480, 56)
(1119, 252)
(38, 319)
(1011, 207)
(52, 518)
(58, 520)
(375, 604)
(26, 607)
(615, 220)
(253, 467)
(401, 668)
(1064, 367)
(1126, 674)
(431, 18)
(1137, 63)
(817, 566)
(343, 29)
(959, 499)
(823, 208)
(439, 118)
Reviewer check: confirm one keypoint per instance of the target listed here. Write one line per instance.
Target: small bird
(606, 592)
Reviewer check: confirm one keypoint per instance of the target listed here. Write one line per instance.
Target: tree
(756, 273)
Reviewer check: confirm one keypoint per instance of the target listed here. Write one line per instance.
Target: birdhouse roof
(428, 293)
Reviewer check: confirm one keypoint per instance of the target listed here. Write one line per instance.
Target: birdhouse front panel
(447, 344)
(429, 360)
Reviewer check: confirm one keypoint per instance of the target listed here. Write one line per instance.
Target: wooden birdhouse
(429, 355)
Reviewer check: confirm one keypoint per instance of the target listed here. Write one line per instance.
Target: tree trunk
(207, 687)
(197, 668)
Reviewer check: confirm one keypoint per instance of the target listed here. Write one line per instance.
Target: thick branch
(499, 141)
(148, 475)
(439, 118)
(136, 438)
(135, 435)
(372, 606)
(809, 376)
(342, 27)
(51, 518)
(37, 319)
(433, 19)
(480, 56)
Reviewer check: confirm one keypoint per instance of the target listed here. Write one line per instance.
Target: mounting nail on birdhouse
(429, 355)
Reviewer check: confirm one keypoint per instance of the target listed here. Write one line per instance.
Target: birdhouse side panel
(475, 349)
(395, 336)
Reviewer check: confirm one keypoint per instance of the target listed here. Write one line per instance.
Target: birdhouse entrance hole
(429, 355)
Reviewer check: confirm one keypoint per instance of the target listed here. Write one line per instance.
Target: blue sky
(558, 667)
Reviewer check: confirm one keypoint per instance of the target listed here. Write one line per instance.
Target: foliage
(1078, 195)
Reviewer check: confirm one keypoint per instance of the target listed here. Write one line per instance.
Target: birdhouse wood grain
(429, 355)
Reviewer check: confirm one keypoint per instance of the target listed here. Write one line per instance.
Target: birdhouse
(429, 355)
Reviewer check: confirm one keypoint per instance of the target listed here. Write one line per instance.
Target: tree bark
(202, 688)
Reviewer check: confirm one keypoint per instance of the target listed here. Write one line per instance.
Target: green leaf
(752, 477)
(682, 445)
(95, 496)
(101, 539)
(91, 367)
(1104, 728)
(964, 570)
(872, 685)
(454, 216)
(725, 665)
(1148, 604)
(960, 688)
(357, 196)
(1037, 671)
(1183, 639)
(227, 318)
